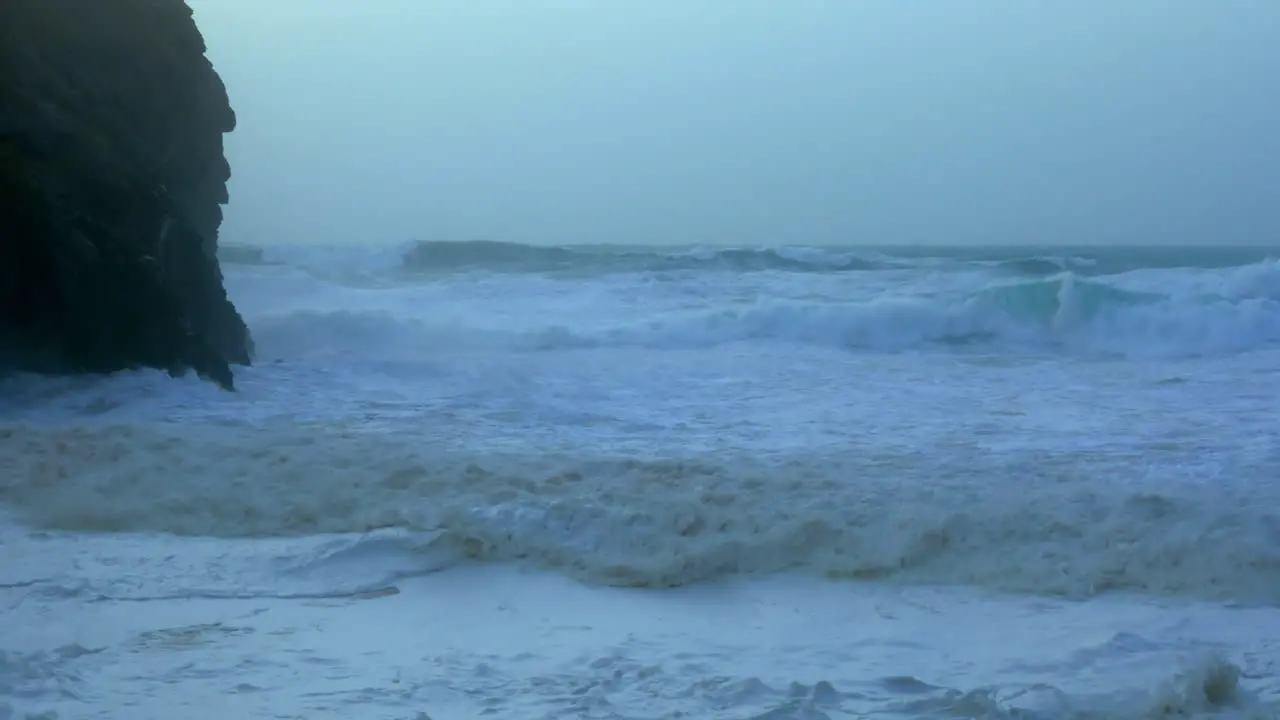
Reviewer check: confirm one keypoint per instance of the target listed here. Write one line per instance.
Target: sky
(750, 122)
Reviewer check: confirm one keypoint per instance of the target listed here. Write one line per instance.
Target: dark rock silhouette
(112, 178)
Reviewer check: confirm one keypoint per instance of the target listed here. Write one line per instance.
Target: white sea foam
(475, 641)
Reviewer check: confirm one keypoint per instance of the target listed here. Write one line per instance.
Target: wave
(233, 254)
(1117, 262)
(428, 258)
(443, 257)
(1094, 262)
(1062, 314)
(1044, 266)
(1042, 522)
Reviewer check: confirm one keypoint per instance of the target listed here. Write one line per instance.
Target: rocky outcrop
(112, 177)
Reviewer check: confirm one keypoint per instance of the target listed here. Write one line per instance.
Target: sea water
(483, 479)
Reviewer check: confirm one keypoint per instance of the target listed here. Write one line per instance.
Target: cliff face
(112, 178)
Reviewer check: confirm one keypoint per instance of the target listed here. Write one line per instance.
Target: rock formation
(112, 178)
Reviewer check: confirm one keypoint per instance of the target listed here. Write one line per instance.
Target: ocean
(485, 479)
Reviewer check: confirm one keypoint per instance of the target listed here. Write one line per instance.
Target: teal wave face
(1040, 302)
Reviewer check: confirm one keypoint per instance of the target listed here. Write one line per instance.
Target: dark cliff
(112, 178)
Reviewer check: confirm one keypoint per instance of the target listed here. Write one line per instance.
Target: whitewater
(488, 479)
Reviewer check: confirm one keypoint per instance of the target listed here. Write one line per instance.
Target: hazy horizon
(752, 122)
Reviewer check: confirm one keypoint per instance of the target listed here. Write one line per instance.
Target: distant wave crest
(430, 258)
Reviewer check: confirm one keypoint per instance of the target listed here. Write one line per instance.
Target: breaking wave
(1061, 314)
(894, 515)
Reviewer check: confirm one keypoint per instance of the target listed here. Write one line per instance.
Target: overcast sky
(751, 121)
